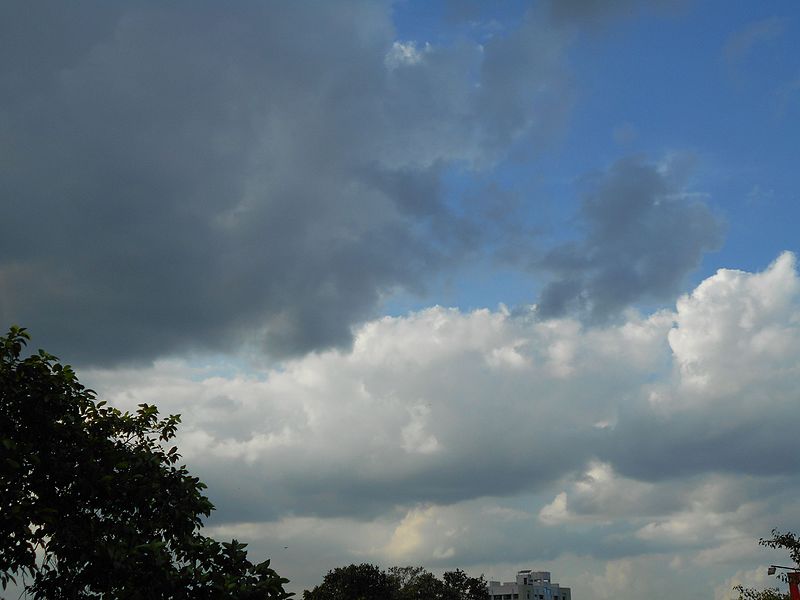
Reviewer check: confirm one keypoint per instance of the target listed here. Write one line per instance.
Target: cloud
(597, 12)
(185, 177)
(423, 527)
(738, 331)
(736, 362)
(642, 233)
(443, 407)
(617, 579)
(492, 441)
(755, 578)
(599, 495)
(741, 43)
(402, 399)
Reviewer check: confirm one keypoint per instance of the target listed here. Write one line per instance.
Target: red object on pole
(794, 585)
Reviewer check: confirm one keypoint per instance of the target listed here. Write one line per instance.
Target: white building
(530, 585)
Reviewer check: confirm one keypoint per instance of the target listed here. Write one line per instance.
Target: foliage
(464, 587)
(94, 504)
(765, 594)
(415, 583)
(368, 582)
(354, 582)
(788, 541)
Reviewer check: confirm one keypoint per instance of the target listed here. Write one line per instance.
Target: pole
(794, 585)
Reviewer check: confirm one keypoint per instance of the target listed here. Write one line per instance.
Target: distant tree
(788, 541)
(93, 504)
(406, 575)
(426, 587)
(355, 582)
(368, 582)
(415, 583)
(465, 587)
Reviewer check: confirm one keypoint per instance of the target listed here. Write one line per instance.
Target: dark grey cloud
(642, 234)
(684, 445)
(254, 493)
(194, 175)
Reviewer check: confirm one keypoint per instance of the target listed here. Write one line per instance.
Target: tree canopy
(94, 502)
(369, 582)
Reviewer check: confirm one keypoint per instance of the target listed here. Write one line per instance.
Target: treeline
(368, 582)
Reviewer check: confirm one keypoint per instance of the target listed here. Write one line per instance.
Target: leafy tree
(405, 576)
(93, 504)
(425, 587)
(788, 541)
(765, 594)
(465, 587)
(415, 583)
(355, 582)
(368, 582)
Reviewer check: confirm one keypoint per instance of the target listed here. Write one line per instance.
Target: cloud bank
(448, 437)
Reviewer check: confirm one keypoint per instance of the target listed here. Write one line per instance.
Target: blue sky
(487, 285)
(716, 81)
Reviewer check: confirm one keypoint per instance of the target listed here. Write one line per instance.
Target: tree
(788, 541)
(355, 582)
(765, 594)
(92, 502)
(368, 582)
(465, 587)
(415, 583)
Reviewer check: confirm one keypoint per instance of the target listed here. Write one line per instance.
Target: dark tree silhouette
(93, 501)
(355, 582)
(368, 582)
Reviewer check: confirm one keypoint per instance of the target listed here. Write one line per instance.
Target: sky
(487, 285)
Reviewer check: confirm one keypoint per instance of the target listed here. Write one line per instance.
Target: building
(530, 585)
